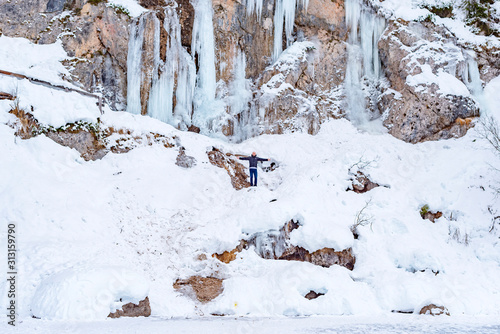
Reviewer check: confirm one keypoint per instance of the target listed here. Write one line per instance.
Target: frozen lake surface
(345, 324)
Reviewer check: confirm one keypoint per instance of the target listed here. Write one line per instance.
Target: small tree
(490, 130)
(362, 219)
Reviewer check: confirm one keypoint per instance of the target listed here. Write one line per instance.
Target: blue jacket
(253, 161)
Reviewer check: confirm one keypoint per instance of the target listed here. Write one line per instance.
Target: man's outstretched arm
(262, 159)
(243, 158)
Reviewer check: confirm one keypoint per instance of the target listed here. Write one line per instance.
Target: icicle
(254, 6)
(160, 96)
(202, 46)
(472, 80)
(284, 14)
(176, 76)
(363, 62)
(240, 99)
(134, 66)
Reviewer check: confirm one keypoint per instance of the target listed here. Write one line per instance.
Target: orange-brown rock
(433, 309)
(276, 245)
(228, 256)
(26, 124)
(143, 309)
(6, 96)
(361, 183)
(432, 216)
(325, 257)
(235, 170)
(204, 289)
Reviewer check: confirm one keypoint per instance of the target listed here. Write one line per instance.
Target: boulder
(313, 295)
(204, 289)
(361, 183)
(143, 309)
(276, 245)
(426, 95)
(433, 309)
(235, 170)
(183, 160)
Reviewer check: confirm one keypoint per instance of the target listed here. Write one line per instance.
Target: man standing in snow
(253, 160)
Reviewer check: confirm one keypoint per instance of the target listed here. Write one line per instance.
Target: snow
(447, 83)
(132, 6)
(394, 323)
(87, 293)
(139, 210)
(492, 98)
(19, 55)
(54, 107)
(412, 10)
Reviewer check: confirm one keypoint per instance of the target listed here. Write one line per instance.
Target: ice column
(202, 47)
(239, 101)
(134, 66)
(363, 62)
(472, 80)
(284, 14)
(174, 77)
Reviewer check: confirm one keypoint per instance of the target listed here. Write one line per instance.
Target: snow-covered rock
(87, 293)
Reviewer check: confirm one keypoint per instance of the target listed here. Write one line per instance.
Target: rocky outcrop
(235, 30)
(302, 89)
(426, 213)
(313, 295)
(204, 289)
(124, 140)
(424, 64)
(488, 64)
(235, 170)
(276, 245)
(26, 125)
(84, 141)
(433, 309)
(183, 160)
(143, 309)
(94, 36)
(361, 183)
(424, 68)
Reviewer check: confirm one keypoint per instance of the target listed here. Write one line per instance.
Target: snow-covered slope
(140, 210)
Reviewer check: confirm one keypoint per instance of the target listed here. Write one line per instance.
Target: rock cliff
(243, 68)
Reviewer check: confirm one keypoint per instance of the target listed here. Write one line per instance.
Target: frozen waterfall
(173, 78)
(472, 79)
(134, 66)
(240, 100)
(206, 108)
(363, 63)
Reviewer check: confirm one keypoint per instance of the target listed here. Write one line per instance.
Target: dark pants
(253, 177)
